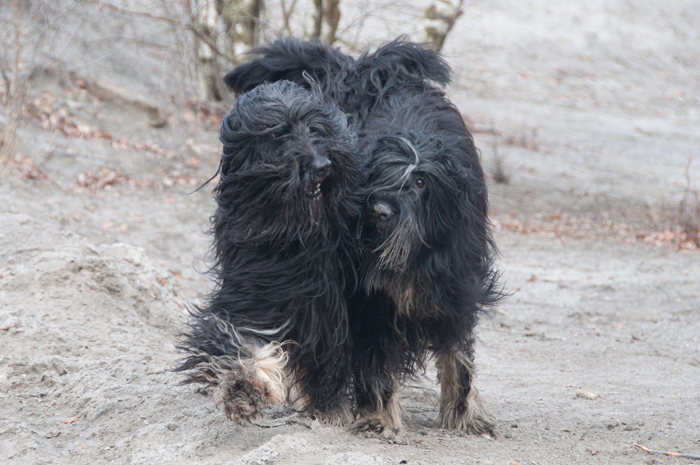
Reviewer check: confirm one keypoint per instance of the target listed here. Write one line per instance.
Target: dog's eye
(420, 183)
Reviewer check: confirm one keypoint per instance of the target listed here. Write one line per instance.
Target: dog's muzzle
(320, 169)
(382, 216)
(382, 212)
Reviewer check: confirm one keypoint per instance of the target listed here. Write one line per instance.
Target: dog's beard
(390, 253)
(395, 250)
(301, 217)
(313, 216)
(312, 205)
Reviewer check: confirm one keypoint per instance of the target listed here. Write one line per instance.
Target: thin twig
(669, 454)
(15, 19)
(277, 425)
(8, 84)
(143, 14)
(526, 334)
(580, 439)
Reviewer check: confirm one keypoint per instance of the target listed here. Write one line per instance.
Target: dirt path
(597, 349)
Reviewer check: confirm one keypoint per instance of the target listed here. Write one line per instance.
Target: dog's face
(417, 197)
(287, 162)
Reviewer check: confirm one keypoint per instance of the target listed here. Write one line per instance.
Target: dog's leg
(377, 350)
(337, 411)
(251, 383)
(379, 407)
(461, 407)
(339, 414)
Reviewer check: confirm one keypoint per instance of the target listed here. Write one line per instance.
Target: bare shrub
(525, 138)
(689, 211)
(12, 92)
(500, 172)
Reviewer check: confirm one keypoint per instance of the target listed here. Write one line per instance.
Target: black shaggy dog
(427, 251)
(276, 326)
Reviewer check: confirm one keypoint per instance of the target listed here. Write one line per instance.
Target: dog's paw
(336, 417)
(471, 422)
(241, 399)
(339, 415)
(368, 425)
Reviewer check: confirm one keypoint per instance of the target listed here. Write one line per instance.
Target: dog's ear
(413, 59)
(285, 59)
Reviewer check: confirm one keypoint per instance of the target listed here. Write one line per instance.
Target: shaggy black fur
(284, 244)
(427, 252)
(357, 85)
(427, 266)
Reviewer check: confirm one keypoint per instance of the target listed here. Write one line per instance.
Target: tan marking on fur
(410, 300)
(247, 383)
(385, 416)
(391, 414)
(297, 397)
(404, 297)
(268, 365)
(475, 419)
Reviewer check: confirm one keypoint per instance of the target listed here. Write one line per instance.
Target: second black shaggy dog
(276, 327)
(427, 266)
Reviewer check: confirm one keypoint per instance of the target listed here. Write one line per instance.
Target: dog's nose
(382, 211)
(322, 167)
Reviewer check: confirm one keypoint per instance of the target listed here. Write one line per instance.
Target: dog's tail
(286, 59)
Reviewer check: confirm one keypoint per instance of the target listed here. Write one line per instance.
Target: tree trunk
(242, 20)
(326, 19)
(332, 16)
(318, 19)
(438, 21)
(206, 62)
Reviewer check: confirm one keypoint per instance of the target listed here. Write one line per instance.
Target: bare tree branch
(187, 25)
(287, 14)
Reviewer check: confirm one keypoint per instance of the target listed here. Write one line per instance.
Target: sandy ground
(598, 347)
